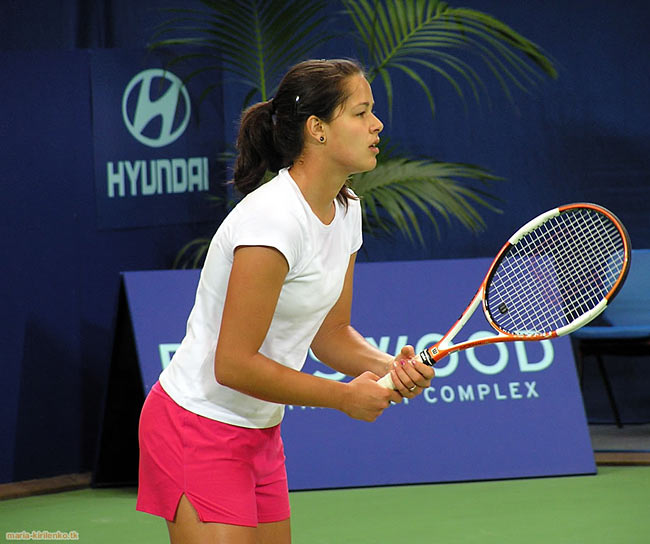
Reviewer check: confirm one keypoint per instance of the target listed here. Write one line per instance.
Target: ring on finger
(411, 389)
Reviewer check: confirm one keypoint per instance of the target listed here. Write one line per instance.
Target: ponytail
(256, 151)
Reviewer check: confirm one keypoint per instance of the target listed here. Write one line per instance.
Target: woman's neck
(318, 189)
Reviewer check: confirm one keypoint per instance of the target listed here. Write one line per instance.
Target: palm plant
(257, 40)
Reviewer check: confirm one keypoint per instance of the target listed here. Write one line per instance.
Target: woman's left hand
(409, 375)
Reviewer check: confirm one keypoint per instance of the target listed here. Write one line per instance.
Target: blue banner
(507, 410)
(155, 152)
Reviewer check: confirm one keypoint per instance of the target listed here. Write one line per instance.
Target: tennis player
(277, 279)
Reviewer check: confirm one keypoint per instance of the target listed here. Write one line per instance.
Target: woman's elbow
(223, 371)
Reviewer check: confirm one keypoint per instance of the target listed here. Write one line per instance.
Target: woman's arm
(338, 345)
(253, 290)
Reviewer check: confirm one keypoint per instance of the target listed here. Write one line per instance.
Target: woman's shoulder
(271, 206)
(275, 195)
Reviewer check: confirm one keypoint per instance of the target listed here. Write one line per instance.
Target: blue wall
(582, 137)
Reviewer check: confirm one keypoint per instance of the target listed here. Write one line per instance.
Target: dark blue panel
(45, 131)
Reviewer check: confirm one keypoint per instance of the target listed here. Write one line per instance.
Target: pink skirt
(231, 475)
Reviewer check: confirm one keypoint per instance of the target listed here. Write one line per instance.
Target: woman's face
(352, 136)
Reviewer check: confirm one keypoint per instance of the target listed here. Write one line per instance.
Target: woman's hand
(365, 399)
(409, 375)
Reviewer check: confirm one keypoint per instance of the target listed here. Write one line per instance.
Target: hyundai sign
(154, 150)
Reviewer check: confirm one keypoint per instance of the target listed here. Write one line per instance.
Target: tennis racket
(553, 276)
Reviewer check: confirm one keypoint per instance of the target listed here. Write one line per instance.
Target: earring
(322, 139)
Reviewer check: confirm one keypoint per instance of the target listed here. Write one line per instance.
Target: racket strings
(556, 273)
(569, 279)
(569, 283)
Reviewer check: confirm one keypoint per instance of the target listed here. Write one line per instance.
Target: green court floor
(612, 507)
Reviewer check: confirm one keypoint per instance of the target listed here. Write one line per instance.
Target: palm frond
(400, 35)
(398, 188)
(255, 40)
(192, 254)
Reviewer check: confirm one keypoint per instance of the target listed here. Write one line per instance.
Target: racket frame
(444, 346)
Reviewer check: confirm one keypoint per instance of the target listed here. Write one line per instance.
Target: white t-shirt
(275, 215)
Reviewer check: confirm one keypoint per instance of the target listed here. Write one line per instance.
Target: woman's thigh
(187, 528)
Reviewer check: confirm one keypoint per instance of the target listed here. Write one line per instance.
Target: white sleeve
(281, 231)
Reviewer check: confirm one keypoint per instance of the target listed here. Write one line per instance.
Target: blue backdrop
(582, 137)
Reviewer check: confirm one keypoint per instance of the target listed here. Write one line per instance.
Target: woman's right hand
(365, 399)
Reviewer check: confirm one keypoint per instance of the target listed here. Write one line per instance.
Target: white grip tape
(387, 382)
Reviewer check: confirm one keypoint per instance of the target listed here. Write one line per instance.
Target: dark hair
(271, 133)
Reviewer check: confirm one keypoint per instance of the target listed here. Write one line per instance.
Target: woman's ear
(315, 130)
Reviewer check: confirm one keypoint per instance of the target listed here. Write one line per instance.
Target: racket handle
(387, 382)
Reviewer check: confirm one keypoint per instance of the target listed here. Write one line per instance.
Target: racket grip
(387, 382)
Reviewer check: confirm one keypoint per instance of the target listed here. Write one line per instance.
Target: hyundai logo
(156, 107)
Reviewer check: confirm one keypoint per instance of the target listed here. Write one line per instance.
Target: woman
(277, 280)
